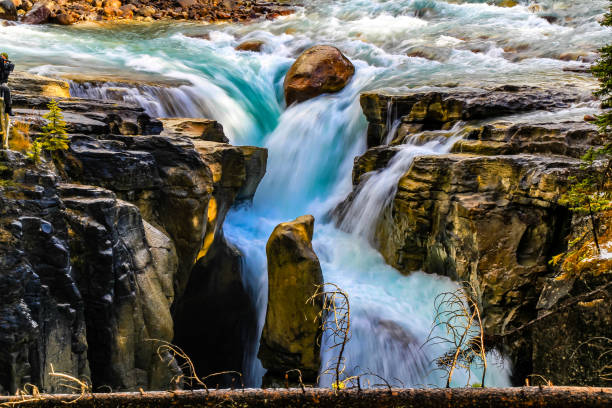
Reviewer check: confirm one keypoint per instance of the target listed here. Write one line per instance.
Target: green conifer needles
(54, 134)
(53, 137)
(602, 70)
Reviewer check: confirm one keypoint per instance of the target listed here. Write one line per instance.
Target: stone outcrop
(8, 11)
(203, 129)
(100, 245)
(578, 303)
(488, 212)
(216, 336)
(320, 69)
(470, 218)
(437, 110)
(292, 328)
(162, 176)
(90, 283)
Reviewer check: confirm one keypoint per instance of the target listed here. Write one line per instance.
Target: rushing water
(312, 145)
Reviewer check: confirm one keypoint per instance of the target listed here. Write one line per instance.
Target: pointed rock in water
(290, 335)
(252, 45)
(320, 69)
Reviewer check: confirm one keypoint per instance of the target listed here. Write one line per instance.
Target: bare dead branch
(458, 315)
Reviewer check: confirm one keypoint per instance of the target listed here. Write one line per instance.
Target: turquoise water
(312, 145)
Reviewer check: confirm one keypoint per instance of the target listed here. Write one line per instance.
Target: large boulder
(251, 45)
(320, 69)
(40, 13)
(8, 11)
(292, 329)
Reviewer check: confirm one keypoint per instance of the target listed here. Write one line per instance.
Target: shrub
(53, 138)
(36, 151)
(20, 137)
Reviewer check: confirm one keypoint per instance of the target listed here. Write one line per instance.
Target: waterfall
(311, 152)
(312, 145)
(378, 189)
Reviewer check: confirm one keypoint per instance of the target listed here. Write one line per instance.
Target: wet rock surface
(95, 262)
(442, 109)
(488, 213)
(92, 287)
(320, 69)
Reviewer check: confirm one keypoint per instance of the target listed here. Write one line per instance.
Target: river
(312, 145)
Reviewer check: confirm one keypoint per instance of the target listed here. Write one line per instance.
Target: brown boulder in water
(320, 69)
(40, 13)
(64, 19)
(252, 45)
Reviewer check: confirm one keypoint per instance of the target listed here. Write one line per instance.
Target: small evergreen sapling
(35, 152)
(54, 134)
(54, 137)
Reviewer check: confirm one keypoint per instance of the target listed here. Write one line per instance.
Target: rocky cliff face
(215, 316)
(488, 212)
(99, 248)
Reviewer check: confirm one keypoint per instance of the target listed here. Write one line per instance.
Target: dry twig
(336, 322)
(458, 315)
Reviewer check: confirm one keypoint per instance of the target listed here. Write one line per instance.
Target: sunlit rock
(252, 45)
(320, 69)
(290, 336)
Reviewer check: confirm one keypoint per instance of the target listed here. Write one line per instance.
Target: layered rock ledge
(488, 213)
(102, 249)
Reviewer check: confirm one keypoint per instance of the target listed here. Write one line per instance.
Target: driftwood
(418, 398)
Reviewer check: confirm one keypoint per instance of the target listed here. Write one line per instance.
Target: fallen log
(545, 397)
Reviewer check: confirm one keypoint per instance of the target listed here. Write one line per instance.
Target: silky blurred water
(312, 145)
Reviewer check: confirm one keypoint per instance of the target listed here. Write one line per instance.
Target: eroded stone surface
(488, 213)
(99, 245)
(292, 327)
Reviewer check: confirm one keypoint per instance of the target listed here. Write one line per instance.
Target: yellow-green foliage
(591, 193)
(35, 152)
(20, 137)
(54, 135)
(581, 260)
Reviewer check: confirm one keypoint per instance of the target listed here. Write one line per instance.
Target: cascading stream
(377, 191)
(398, 45)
